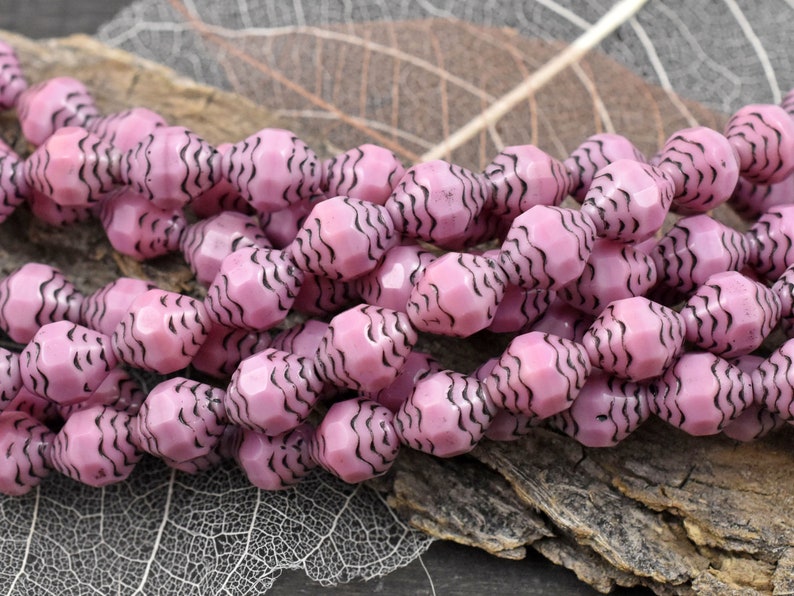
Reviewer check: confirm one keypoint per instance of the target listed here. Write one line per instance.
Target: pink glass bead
(773, 382)
(273, 169)
(225, 348)
(65, 362)
(13, 187)
(446, 414)
(319, 295)
(695, 248)
(73, 167)
(547, 247)
(437, 202)
(50, 212)
(772, 241)
(104, 309)
(390, 283)
(367, 172)
(730, 315)
(124, 130)
(223, 196)
(10, 378)
(119, 391)
(417, 366)
(704, 166)
(24, 452)
(94, 447)
(594, 153)
(171, 166)
(138, 228)
(749, 200)
(35, 406)
(538, 375)
(365, 347)
(12, 80)
(302, 339)
(180, 420)
(605, 412)
(523, 176)
(356, 440)
(254, 289)
(756, 421)
(784, 290)
(33, 295)
(505, 425)
(563, 320)
(282, 226)
(763, 137)
(628, 200)
(206, 243)
(614, 271)
(161, 332)
(44, 108)
(275, 463)
(343, 238)
(457, 295)
(519, 309)
(635, 339)
(700, 393)
(272, 392)
(197, 464)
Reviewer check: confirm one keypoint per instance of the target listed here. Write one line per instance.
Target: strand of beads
(283, 230)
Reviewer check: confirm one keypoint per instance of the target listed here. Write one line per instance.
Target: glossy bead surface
(222, 196)
(756, 421)
(282, 226)
(563, 320)
(389, 285)
(750, 200)
(50, 212)
(12, 79)
(594, 153)
(119, 391)
(417, 366)
(320, 296)
(763, 137)
(13, 187)
(124, 130)
(224, 349)
(275, 463)
(773, 382)
(10, 377)
(103, 309)
(24, 452)
(520, 308)
(52, 104)
(771, 241)
(367, 172)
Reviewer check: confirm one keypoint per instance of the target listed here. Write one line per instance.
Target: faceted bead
(756, 421)
(437, 202)
(10, 377)
(700, 393)
(138, 228)
(46, 210)
(124, 130)
(104, 309)
(275, 463)
(635, 339)
(593, 154)
(12, 79)
(784, 289)
(13, 187)
(119, 391)
(547, 247)
(365, 347)
(320, 295)
(520, 308)
(390, 283)
(750, 201)
(273, 169)
(628, 200)
(605, 412)
(446, 414)
(772, 241)
(43, 410)
(73, 167)
(343, 238)
(206, 243)
(223, 196)
(180, 420)
(457, 295)
(254, 289)
(505, 425)
(695, 248)
(44, 108)
(563, 320)
(302, 339)
(65, 362)
(272, 392)
(225, 348)
(34, 295)
(538, 374)
(763, 137)
(523, 176)
(356, 440)
(161, 332)
(24, 452)
(94, 447)
(282, 226)
(773, 382)
(417, 366)
(367, 172)
(703, 164)
(171, 166)
(730, 315)
(614, 271)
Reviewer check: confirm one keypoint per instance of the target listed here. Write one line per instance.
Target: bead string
(586, 293)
